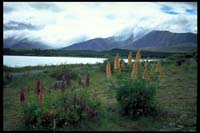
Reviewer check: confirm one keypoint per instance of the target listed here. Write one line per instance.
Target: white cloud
(64, 22)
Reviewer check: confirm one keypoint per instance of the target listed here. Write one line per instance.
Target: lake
(22, 61)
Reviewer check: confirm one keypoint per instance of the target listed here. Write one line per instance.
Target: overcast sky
(63, 23)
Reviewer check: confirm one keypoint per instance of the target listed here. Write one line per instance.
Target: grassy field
(176, 97)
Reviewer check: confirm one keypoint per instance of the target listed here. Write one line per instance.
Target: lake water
(21, 61)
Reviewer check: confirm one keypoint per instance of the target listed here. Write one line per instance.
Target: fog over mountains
(98, 25)
(154, 39)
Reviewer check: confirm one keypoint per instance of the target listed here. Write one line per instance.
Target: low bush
(136, 98)
(60, 110)
(136, 87)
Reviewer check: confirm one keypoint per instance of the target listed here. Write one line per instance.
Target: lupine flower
(79, 80)
(22, 95)
(146, 63)
(41, 96)
(108, 70)
(158, 67)
(37, 89)
(145, 74)
(134, 71)
(68, 78)
(87, 80)
(63, 86)
(138, 56)
(129, 58)
(116, 62)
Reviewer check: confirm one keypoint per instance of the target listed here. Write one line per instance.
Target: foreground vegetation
(176, 97)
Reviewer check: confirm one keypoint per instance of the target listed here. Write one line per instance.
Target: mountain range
(154, 40)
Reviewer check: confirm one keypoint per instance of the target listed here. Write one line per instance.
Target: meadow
(176, 97)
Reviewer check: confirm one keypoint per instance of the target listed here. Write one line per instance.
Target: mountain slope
(163, 39)
(97, 44)
(160, 40)
(23, 43)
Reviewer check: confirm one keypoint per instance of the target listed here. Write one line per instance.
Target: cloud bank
(60, 24)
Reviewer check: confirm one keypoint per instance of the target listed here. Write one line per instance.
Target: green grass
(177, 98)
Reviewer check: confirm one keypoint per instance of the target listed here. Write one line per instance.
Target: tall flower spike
(145, 74)
(41, 96)
(87, 80)
(138, 56)
(129, 58)
(158, 67)
(37, 89)
(22, 95)
(116, 62)
(68, 78)
(134, 71)
(108, 70)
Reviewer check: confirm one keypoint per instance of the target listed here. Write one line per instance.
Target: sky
(60, 24)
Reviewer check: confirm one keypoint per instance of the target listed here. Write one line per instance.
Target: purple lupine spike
(63, 86)
(22, 95)
(68, 79)
(37, 89)
(87, 80)
(79, 80)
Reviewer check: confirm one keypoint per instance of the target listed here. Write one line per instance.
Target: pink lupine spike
(87, 80)
(37, 89)
(22, 95)
(41, 96)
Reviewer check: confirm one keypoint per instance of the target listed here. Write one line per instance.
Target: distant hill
(163, 39)
(24, 43)
(157, 40)
(97, 44)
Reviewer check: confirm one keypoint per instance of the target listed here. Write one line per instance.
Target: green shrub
(62, 109)
(136, 98)
(62, 71)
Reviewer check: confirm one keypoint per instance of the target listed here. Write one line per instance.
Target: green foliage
(136, 98)
(62, 71)
(60, 109)
(177, 97)
(5, 80)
